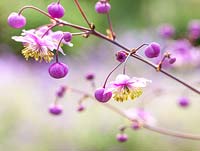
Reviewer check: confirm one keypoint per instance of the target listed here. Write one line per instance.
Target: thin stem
(159, 130)
(35, 8)
(50, 29)
(58, 2)
(82, 12)
(80, 33)
(104, 85)
(58, 49)
(139, 57)
(110, 26)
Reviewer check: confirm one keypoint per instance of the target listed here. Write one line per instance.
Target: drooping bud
(67, 37)
(55, 109)
(56, 10)
(121, 56)
(122, 137)
(58, 70)
(153, 50)
(102, 7)
(16, 20)
(102, 96)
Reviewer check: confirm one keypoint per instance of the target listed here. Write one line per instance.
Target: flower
(125, 88)
(39, 43)
(166, 31)
(141, 115)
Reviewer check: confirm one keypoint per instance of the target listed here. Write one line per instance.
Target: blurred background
(26, 89)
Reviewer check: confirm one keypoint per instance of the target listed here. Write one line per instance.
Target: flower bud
(16, 20)
(55, 109)
(102, 7)
(67, 37)
(58, 70)
(101, 96)
(121, 56)
(184, 102)
(56, 10)
(153, 50)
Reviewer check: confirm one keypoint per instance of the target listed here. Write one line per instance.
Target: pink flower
(125, 88)
(39, 43)
(141, 115)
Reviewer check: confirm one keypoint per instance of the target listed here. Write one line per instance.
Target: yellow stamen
(37, 55)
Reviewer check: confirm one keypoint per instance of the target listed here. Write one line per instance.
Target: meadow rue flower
(58, 70)
(166, 31)
(102, 7)
(122, 137)
(35, 46)
(55, 109)
(141, 115)
(183, 102)
(102, 95)
(125, 88)
(56, 10)
(152, 50)
(16, 20)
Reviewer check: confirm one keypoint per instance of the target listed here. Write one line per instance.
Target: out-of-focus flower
(194, 29)
(125, 88)
(141, 115)
(166, 31)
(184, 53)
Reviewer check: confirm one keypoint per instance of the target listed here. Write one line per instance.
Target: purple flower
(55, 109)
(125, 88)
(102, 95)
(194, 29)
(58, 70)
(166, 31)
(152, 50)
(121, 56)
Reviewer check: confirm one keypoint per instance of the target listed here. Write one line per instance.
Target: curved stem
(35, 8)
(110, 26)
(104, 85)
(50, 29)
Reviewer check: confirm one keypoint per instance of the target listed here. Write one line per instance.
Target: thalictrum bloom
(125, 88)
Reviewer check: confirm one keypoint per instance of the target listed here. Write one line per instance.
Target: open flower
(40, 43)
(125, 88)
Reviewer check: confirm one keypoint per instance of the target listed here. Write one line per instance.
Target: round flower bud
(120, 56)
(172, 60)
(184, 102)
(16, 21)
(80, 108)
(90, 76)
(102, 7)
(56, 10)
(67, 37)
(58, 70)
(101, 96)
(153, 50)
(122, 137)
(55, 109)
